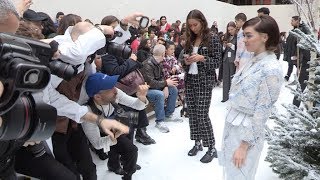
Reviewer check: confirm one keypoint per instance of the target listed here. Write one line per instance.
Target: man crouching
(102, 92)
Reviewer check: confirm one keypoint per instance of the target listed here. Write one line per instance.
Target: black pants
(303, 75)
(44, 167)
(290, 67)
(128, 152)
(72, 150)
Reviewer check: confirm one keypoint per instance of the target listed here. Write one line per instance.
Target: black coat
(143, 55)
(112, 65)
(291, 48)
(153, 75)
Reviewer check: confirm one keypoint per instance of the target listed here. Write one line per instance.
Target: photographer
(102, 92)
(9, 22)
(69, 142)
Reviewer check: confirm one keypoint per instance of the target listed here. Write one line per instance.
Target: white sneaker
(172, 119)
(162, 127)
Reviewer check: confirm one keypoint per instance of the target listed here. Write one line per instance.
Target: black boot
(143, 137)
(100, 152)
(196, 148)
(118, 170)
(127, 177)
(210, 154)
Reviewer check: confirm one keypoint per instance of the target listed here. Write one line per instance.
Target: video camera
(121, 50)
(127, 118)
(25, 68)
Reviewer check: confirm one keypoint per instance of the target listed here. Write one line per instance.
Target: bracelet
(99, 121)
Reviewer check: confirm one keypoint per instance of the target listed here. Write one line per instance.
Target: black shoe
(127, 177)
(143, 137)
(138, 167)
(118, 171)
(223, 100)
(210, 154)
(101, 154)
(195, 150)
(286, 78)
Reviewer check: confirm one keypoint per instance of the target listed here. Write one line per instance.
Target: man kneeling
(103, 94)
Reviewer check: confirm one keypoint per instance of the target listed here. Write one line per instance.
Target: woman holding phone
(202, 56)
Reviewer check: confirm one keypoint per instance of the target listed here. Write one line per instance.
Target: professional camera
(24, 69)
(125, 117)
(118, 50)
(121, 50)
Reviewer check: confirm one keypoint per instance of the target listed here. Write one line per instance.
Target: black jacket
(178, 50)
(7, 152)
(152, 73)
(291, 48)
(113, 65)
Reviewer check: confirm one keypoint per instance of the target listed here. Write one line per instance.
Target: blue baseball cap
(98, 81)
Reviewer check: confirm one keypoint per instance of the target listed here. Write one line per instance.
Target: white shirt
(64, 106)
(125, 35)
(76, 52)
(92, 131)
(193, 67)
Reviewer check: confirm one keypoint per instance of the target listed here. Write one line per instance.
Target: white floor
(168, 159)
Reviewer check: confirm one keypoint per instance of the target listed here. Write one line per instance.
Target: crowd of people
(169, 63)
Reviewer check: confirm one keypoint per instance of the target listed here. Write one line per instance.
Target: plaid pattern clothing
(199, 89)
(198, 97)
(168, 63)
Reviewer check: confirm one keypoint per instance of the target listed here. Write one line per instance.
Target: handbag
(130, 83)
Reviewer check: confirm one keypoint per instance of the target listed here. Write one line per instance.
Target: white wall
(218, 11)
(281, 13)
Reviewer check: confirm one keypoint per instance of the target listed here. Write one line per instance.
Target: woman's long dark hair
(48, 25)
(66, 21)
(143, 45)
(109, 20)
(205, 31)
(227, 35)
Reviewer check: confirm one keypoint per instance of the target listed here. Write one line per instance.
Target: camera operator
(9, 21)
(102, 92)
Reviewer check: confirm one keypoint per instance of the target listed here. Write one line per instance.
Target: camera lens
(119, 50)
(29, 119)
(62, 70)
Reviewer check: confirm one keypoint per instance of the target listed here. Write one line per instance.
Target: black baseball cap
(31, 15)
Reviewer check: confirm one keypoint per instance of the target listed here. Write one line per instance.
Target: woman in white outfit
(254, 90)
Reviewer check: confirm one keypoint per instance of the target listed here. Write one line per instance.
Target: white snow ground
(168, 159)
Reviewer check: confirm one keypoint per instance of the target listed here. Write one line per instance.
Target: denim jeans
(157, 98)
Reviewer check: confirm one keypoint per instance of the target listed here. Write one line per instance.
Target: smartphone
(144, 21)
